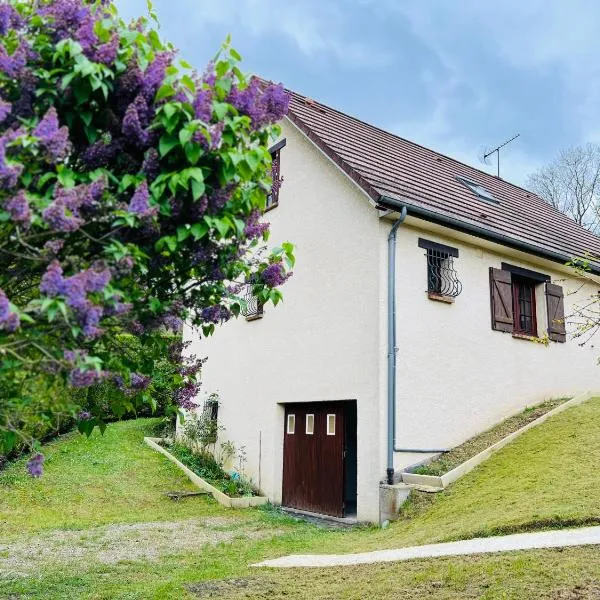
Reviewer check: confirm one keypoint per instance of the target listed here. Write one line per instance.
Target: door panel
(313, 463)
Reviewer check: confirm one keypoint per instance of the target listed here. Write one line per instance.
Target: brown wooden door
(313, 458)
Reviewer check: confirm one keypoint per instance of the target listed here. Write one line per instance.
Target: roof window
(478, 190)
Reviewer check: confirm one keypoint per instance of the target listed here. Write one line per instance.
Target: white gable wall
(456, 376)
(321, 343)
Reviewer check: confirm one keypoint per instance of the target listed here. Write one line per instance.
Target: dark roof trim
(429, 245)
(521, 272)
(278, 146)
(478, 231)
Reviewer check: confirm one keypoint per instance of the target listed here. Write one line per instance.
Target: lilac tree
(132, 189)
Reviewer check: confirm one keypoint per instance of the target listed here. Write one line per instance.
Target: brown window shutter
(501, 299)
(555, 302)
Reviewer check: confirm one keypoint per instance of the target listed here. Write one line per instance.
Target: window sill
(272, 206)
(526, 336)
(440, 298)
(254, 317)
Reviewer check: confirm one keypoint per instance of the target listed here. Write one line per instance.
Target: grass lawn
(199, 549)
(450, 460)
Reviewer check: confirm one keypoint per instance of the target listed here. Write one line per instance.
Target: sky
(457, 76)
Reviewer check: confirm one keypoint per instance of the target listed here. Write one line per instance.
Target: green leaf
(183, 232)
(198, 189)
(166, 144)
(165, 91)
(199, 230)
(185, 135)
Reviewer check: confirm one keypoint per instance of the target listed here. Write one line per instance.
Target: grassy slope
(547, 477)
(113, 478)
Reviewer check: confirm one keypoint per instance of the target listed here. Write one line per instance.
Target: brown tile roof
(388, 166)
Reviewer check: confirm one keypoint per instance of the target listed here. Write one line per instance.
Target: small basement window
(442, 278)
(478, 190)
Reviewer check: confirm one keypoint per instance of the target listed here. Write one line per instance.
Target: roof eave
(477, 230)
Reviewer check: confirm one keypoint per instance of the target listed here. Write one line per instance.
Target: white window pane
(330, 424)
(310, 424)
(291, 423)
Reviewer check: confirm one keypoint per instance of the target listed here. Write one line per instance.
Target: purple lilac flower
(9, 19)
(53, 247)
(18, 208)
(136, 328)
(84, 415)
(35, 465)
(91, 320)
(135, 122)
(67, 16)
(23, 106)
(101, 153)
(9, 173)
(254, 228)
(209, 76)
(274, 275)
(151, 164)
(97, 279)
(139, 203)
(184, 396)
(5, 108)
(154, 74)
(54, 139)
(118, 308)
(219, 198)
(79, 378)
(215, 314)
(264, 104)
(52, 281)
(62, 214)
(139, 382)
(203, 105)
(14, 64)
(172, 322)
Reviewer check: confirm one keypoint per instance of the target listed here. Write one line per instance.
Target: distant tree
(571, 183)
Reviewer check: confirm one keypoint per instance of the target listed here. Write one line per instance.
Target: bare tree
(571, 183)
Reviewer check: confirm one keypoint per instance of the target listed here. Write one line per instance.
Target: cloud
(315, 28)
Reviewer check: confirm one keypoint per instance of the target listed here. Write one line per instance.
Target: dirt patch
(477, 444)
(234, 588)
(587, 591)
(124, 542)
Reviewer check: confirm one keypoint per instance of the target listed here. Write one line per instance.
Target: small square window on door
(331, 424)
(291, 424)
(310, 424)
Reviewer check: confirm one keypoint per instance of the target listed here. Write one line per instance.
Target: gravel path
(520, 541)
(112, 543)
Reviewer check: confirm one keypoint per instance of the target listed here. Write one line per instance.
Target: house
(471, 270)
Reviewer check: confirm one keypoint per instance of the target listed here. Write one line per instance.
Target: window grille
(442, 278)
(253, 309)
(273, 197)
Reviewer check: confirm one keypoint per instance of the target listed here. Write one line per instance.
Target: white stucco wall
(321, 343)
(456, 376)
(327, 341)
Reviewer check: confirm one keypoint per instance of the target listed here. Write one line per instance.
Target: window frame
(329, 430)
(272, 200)
(290, 430)
(312, 419)
(519, 284)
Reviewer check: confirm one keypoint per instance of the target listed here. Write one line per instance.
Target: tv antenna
(487, 152)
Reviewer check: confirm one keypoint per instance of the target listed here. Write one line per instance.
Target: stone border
(219, 496)
(435, 483)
